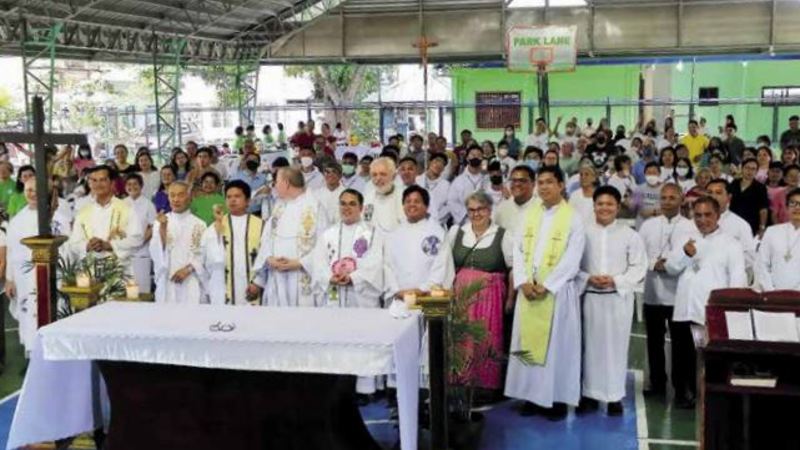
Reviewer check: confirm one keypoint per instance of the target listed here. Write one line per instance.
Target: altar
(180, 376)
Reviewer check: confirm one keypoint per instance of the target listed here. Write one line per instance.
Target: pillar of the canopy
(167, 70)
(38, 65)
(246, 85)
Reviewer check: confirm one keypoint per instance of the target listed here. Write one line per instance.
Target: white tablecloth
(56, 400)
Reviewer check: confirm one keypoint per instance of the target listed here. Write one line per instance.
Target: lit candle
(132, 292)
(437, 292)
(83, 280)
(410, 299)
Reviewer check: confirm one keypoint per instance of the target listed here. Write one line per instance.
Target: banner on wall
(551, 48)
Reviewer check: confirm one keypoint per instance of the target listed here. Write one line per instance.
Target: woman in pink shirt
(776, 191)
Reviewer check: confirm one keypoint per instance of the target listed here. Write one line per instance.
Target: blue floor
(505, 429)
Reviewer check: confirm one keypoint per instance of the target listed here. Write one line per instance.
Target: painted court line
(678, 443)
(9, 397)
(641, 412)
(9, 330)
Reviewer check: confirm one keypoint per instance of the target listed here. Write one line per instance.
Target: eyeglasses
(349, 204)
(477, 210)
(793, 204)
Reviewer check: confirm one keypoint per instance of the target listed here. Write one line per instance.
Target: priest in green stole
(545, 367)
(230, 246)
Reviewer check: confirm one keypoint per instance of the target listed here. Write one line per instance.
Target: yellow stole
(120, 214)
(253, 232)
(537, 315)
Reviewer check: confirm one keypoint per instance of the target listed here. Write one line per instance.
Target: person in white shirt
(731, 223)
(541, 135)
(778, 256)
(176, 250)
(328, 195)
(145, 212)
(383, 201)
(581, 199)
(351, 180)
(437, 186)
(662, 235)
(707, 261)
(313, 178)
(470, 181)
(418, 256)
(614, 264)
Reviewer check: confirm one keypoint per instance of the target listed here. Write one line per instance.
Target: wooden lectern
(748, 417)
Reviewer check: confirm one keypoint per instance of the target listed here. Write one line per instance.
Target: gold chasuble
(253, 233)
(537, 315)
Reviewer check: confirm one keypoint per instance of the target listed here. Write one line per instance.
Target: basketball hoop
(541, 57)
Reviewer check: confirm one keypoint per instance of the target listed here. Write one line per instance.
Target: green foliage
(468, 349)
(109, 271)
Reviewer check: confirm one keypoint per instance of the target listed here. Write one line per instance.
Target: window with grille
(497, 109)
(780, 95)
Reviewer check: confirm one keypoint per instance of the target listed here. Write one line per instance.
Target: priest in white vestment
(230, 247)
(730, 223)
(437, 186)
(614, 265)
(418, 256)
(710, 260)
(106, 225)
(176, 251)
(145, 212)
(778, 260)
(20, 277)
(328, 195)
(472, 180)
(285, 259)
(383, 201)
(662, 235)
(548, 249)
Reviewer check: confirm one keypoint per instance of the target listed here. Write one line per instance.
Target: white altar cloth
(56, 399)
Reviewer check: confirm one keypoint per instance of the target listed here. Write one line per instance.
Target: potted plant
(108, 280)
(468, 351)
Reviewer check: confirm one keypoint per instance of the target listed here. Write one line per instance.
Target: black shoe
(363, 399)
(557, 413)
(615, 409)
(587, 405)
(529, 409)
(654, 392)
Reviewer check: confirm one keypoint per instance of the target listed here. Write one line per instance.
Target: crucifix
(423, 44)
(44, 246)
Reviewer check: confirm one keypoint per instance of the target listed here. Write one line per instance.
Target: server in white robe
(710, 260)
(176, 250)
(285, 259)
(145, 212)
(510, 213)
(437, 186)
(556, 382)
(313, 177)
(328, 195)
(105, 225)
(230, 246)
(472, 180)
(778, 257)
(348, 264)
(20, 279)
(613, 266)
(383, 201)
(418, 256)
(662, 235)
(733, 225)
(350, 179)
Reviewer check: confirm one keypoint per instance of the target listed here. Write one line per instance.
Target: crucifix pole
(44, 247)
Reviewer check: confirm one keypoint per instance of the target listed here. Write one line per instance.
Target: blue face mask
(533, 164)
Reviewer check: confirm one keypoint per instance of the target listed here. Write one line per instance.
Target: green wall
(734, 79)
(586, 83)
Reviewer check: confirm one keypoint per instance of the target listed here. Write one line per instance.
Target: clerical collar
(613, 222)
(107, 205)
(548, 208)
(715, 231)
(674, 218)
(523, 203)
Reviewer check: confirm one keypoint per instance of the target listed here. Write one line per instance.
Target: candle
(437, 292)
(132, 292)
(83, 280)
(410, 299)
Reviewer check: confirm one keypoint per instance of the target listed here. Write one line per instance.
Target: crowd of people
(563, 231)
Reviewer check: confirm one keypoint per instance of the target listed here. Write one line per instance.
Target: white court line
(672, 442)
(644, 336)
(9, 330)
(376, 422)
(641, 412)
(9, 397)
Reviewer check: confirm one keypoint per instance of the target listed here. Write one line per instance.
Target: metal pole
(453, 124)
(381, 126)
(608, 111)
(441, 121)
(775, 117)
(42, 180)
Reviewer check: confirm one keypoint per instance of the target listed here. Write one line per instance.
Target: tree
(342, 86)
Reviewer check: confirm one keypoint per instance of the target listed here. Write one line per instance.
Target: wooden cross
(44, 246)
(423, 44)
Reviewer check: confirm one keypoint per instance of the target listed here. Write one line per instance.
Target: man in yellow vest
(545, 367)
(230, 247)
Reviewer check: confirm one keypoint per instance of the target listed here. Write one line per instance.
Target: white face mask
(306, 161)
(682, 171)
(652, 180)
